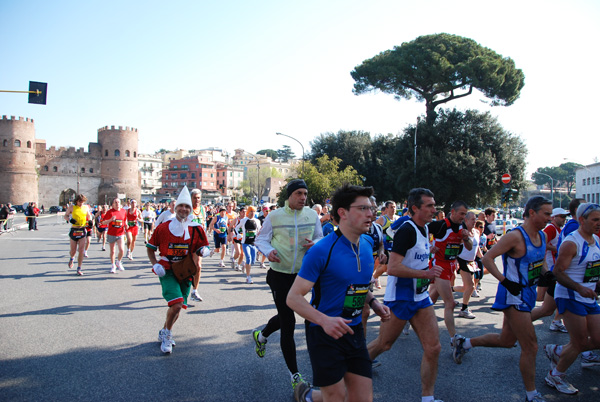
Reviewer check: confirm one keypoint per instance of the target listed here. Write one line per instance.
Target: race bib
(452, 251)
(117, 223)
(592, 272)
(147, 219)
(131, 223)
(534, 271)
(250, 235)
(354, 301)
(79, 233)
(177, 251)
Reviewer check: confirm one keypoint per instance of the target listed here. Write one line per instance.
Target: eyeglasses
(364, 208)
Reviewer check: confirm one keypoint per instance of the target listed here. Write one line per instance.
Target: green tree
(564, 174)
(461, 157)
(257, 187)
(439, 68)
(322, 178)
(271, 153)
(285, 153)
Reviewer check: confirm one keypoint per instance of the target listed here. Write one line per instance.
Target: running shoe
(560, 383)
(120, 266)
(79, 272)
(221, 264)
(406, 328)
(301, 391)
(590, 360)
(536, 398)
(85, 254)
(458, 351)
(558, 326)
(377, 284)
(249, 280)
(166, 346)
(375, 363)
(196, 297)
(478, 287)
(550, 351)
(466, 314)
(475, 293)
(261, 347)
(113, 270)
(262, 265)
(103, 248)
(130, 256)
(161, 335)
(71, 260)
(297, 381)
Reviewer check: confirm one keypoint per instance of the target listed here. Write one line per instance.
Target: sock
(531, 394)
(427, 399)
(555, 321)
(467, 344)
(464, 307)
(587, 354)
(261, 337)
(556, 372)
(309, 395)
(558, 350)
(79, 268)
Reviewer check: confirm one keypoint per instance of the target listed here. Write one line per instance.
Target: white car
(510, 225)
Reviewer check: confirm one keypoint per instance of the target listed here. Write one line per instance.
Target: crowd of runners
(340, 251)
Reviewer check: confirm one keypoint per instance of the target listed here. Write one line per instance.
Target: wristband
(371, 302)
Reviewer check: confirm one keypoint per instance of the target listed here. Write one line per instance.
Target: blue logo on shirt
(422, 257)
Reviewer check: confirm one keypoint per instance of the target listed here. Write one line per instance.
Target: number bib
(592, 272)
(452, 251)
(422, 285)
(534, 272)
(354, 300)
(131, 223)
(250, 235)
(117, 223)
(177, 251)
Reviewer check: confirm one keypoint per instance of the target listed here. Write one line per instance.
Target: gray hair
(584, 210)
(196, 191)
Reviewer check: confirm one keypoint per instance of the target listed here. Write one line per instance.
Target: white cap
(184, 197)
(559, 211)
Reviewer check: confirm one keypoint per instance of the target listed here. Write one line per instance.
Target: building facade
(150, 167)
(588, 182)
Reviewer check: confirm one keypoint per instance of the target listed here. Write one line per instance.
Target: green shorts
(173, 291)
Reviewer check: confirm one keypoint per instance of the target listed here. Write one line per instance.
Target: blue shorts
(405, 310)
(525, 301)
(576, 307)
(220, 241)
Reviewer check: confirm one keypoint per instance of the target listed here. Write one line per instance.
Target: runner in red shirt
(134, 215)
(116, 219)
(174, 240)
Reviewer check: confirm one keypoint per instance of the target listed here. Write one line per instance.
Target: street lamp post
(551, 185)
(289, 136)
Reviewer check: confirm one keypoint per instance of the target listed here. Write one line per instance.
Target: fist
(159, 270)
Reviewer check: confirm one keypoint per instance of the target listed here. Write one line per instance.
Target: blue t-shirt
(571, 226)
(398, 222)
(328, 228)
(341, 279)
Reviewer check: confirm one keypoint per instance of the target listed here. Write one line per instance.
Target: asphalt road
(94, 338)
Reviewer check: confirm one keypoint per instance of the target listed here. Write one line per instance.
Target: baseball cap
(559, 211)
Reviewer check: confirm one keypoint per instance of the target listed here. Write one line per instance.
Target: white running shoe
(466, 314)
(262, 265)
(130, 255)
(249, 279)
(120, 266)
(221, 264)
(196, 297)
(475, 293)
(161, 335)
(590, 359)
(550, 351)
(166, 346)
(85, 254)
(113, 269)
(560, 383)
(558, 326)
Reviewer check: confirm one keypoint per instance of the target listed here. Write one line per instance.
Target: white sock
(261, 337)
(556, 372)
(427, 398)
(467, 345)
(587, 354)
(531, 394)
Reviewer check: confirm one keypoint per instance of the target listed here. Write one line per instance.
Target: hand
(513, 287)
(464, 234)
(159, 270)
(72, 221)
(435, 272)
(549, 276)
(433, 249)
(383, 258)
(382, 311)
(205, 252)
(336, 327)
(273, 256)
(309, 243)
(587, 292)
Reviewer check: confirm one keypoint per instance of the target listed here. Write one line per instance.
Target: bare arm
(568, 251)
(396, 268)
(506, 243)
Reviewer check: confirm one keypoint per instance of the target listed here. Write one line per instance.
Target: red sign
(506, 178)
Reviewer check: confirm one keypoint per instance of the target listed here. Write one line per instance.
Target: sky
(230, 74)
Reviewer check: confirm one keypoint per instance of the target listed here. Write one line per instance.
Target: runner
(134, 216)
(286, 235)
(198, 216)
(341, 264)
(78, 215)
(236, 236)
(175, 240)
(385, 221)
(489, 229)
(523, 255)
(149, 217)
(577, 271)
(265, 213)
(167, 214)
(409, 275)
(100, 227)
(219, 227)
(449, 235)
(248, 228)
(231, 215)
(116, 219)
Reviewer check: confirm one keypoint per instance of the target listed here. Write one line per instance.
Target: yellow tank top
(80, 214)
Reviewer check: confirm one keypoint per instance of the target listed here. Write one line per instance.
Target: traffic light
(513, 195)
(504, 195)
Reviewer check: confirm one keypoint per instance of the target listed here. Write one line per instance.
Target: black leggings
(285, 320)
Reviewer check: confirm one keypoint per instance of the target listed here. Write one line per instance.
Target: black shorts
(332, 358)
(462, 265)
(148, 225)
(478, 274)
(100, 230)
(77, 233)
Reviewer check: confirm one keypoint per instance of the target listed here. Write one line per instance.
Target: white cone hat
(184, 197)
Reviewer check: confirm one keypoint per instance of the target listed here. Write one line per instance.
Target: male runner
(406, 293)
(385, 221)
(489, 230)
(198, 216)
(449, 235)
(284, 238)
(116, 219)
(174, 240)
(341, 264)
(134, 216)
(219, 226)
(467, 266)
(577, 270)
(523, 255)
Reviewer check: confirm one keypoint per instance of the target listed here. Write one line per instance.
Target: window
(134, 154)
(588, 182)
(212, 175)
(83, 170)
(584, 182)
(127, 154)
(28, 144)
(193, 175)
(54, 169)
(193, 184)
(106, 152)
(5, 143)
(91, 170)
(593, 182)
(205, 174)
(18, 143)
(173, 175)
(45, 168)
(117, 152)
(174, 166)
(183, 176)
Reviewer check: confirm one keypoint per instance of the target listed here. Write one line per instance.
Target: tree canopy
(285, 153)
(563, 174)
(322, 178)
(271, 153)
(439, 68)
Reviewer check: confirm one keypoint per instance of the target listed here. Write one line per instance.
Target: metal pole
(551, 186)
(289, 136)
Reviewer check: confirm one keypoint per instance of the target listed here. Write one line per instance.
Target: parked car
(54, 209)
(510, 225)
(18, 208)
